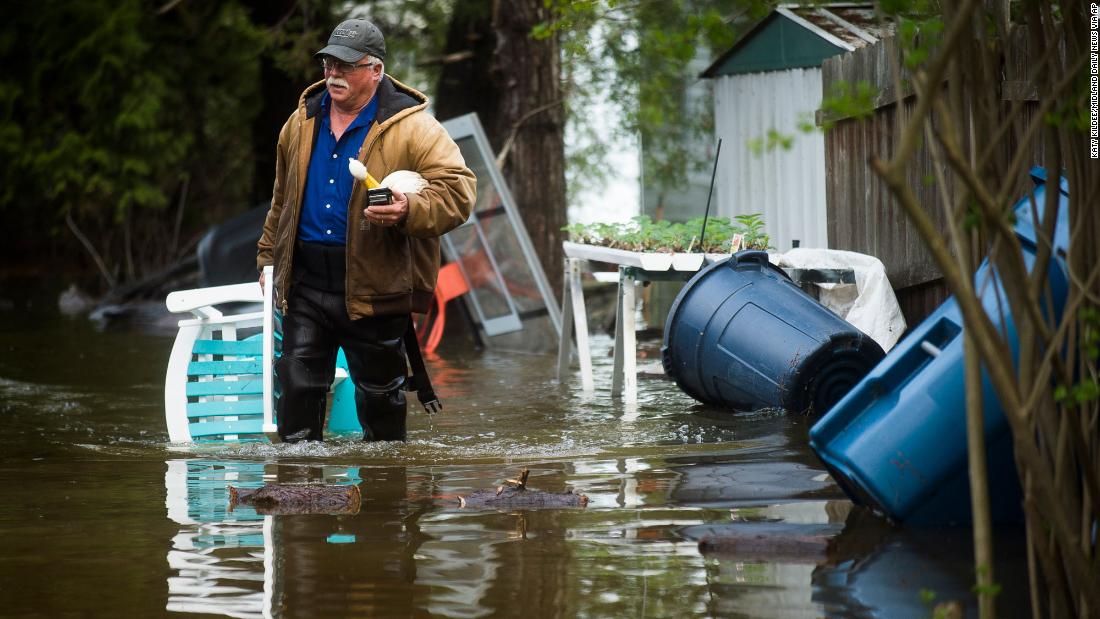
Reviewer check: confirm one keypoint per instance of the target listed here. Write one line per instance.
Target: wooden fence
(861, 214)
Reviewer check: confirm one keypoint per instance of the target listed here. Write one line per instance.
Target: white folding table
(635, 267)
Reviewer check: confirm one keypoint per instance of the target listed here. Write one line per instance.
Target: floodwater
(100, 516)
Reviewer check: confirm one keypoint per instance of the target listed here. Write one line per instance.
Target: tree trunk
(492, 66)
(465, 84)
(532, 123)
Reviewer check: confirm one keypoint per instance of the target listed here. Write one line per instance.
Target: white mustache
(337, 81)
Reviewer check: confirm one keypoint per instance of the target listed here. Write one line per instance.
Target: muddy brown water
(100, 516)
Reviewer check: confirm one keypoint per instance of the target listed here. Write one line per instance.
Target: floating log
(770, 547)
(772, 542)
(517, 495)
(276, 499)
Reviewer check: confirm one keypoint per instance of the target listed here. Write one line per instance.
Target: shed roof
(795, 36)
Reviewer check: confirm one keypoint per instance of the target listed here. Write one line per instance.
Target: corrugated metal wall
(786, 186)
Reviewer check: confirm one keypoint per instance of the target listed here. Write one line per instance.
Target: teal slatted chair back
(225, 390)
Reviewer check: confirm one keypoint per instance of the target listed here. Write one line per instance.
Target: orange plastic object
(449, 285)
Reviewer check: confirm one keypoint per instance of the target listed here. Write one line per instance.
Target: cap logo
(344, 33)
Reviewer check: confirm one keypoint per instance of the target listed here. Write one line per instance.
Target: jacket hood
(393, 99)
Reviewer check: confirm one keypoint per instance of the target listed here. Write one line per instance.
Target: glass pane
(488, 298)
(494, 241)
(515, 271)
(488, 197)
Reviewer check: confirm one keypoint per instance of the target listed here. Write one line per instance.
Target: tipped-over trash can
(742, 335)
(897, 442)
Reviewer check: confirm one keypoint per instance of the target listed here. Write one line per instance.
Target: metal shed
(771, 80)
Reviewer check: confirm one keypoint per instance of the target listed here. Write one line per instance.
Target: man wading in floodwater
(348, 274)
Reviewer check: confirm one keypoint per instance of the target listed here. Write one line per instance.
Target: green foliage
(107, 107)
(115, 113)
(919, 32)
(752, 226)
(291, 45)
(806, 123)
(642, 52)
(1089, 320)
(1087, 390)
(846, 100)
(972, 220)
(415, 30)
(772, 139)
(643, 234)
(919, 29)
(912, 9)
(992, 589)
(1073, 111)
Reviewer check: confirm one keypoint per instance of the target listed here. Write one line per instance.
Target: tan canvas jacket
(389, 270)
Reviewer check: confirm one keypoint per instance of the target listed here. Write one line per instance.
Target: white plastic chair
(219, 387)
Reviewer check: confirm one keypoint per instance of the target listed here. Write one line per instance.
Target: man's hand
(263, 284)
(387, 215)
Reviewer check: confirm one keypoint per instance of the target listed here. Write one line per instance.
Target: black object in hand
(380, 195)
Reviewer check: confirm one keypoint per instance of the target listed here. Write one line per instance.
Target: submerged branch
(91, 250)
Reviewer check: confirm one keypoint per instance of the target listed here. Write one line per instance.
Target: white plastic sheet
(869, 305)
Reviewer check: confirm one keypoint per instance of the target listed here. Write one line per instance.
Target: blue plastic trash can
(741, 335)
(897, 441)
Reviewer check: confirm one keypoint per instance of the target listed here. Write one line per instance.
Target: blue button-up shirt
(329, 183)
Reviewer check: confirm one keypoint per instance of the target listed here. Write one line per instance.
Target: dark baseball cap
(353, 39)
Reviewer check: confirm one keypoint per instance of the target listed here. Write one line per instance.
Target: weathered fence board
(861, 215)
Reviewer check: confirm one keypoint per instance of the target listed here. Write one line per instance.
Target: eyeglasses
(333, 65)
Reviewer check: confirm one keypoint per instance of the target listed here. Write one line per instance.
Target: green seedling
(642, 234)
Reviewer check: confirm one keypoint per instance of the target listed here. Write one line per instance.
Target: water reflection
(223, 561)
(412, 549)
(840, 561)
(772, 573)
(635, 551)
(220, 560)
(372, 572)
(84, 441)
(877, 570)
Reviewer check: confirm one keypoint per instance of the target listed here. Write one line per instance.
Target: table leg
(624, 374)
(565, 337)
(617, 347)
(580, 321)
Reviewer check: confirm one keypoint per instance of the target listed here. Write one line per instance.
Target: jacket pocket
(380, 264)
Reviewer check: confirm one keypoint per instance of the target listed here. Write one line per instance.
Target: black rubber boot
(377, 367)
(315, 325)
(305, 370)
(301, 409)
